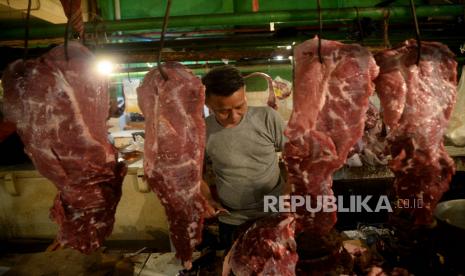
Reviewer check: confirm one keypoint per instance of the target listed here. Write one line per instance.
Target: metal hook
(68, 26)
(417, 31)
(83, 38)
(387, 15)
(320, 21)
(359, 23)
(26, 34)
(162, 41)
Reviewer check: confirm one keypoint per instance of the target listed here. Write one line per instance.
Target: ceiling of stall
(206, 30)
(14, 12)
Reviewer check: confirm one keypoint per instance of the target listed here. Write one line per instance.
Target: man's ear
(210, 110)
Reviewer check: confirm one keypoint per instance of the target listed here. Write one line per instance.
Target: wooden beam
(48, 10)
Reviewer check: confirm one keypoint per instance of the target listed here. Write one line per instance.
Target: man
(241, 144)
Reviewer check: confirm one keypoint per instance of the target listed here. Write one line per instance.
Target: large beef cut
(60, 109)
(330, 102)
(174, 149)
(417, 101)
(266, 248)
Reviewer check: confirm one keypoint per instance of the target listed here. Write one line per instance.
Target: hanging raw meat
(417, 101)
(60, 109)
(330, 101)
(174, 149)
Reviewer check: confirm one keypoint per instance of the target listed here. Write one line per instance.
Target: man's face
(228, 110)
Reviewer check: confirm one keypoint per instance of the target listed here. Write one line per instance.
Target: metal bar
(454, 39)
(201, 70)
(244, 19)
(254, 44)
(203, 55)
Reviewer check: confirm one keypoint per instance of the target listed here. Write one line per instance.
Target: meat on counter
(266, 248)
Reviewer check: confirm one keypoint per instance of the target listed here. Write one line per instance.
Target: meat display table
(383, 172)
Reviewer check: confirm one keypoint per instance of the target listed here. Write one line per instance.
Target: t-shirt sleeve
(276, 127)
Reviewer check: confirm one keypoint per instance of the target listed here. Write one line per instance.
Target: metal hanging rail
(244, 19)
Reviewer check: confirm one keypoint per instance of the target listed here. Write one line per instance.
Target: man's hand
(214, 208)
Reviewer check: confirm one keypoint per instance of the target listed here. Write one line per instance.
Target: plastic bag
(282, 88)
(456, 130)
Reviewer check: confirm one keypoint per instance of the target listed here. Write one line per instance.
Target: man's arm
(213, 207)
(276, 126)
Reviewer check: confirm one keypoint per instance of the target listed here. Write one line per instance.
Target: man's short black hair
(223, 81)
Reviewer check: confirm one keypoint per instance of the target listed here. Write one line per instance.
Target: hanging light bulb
(105, 67)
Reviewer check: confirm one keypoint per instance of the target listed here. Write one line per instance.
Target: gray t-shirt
(245, 162)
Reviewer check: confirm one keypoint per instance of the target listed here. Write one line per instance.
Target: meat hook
(320, 22)
(162, 40)
(129, 77)
(417, 31)
(387, 15)
(26, 33)
(359, 23)
(68, 26)
(271, 90)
